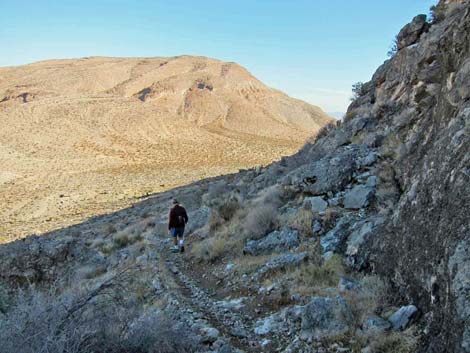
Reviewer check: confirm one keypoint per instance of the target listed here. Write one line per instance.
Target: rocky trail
(225, 321)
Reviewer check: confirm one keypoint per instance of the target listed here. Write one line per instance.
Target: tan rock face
(86, 136)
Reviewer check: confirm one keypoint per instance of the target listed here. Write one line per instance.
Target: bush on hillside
(85, 321)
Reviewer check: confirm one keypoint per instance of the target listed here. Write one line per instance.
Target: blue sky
(313, 50)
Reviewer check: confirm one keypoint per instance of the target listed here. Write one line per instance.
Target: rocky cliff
(358, 243)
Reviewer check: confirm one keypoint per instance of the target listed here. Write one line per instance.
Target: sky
(311, 49)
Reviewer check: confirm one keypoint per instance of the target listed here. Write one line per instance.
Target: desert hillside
(86, 136)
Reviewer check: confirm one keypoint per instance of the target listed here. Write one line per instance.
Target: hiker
(177, 220)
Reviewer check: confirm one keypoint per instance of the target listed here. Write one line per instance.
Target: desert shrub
(394, 342)
(108, 229)
(325, 130)
(123, 239)
(223, 212)
(270, 196)
(260, 220)
(357, 90)
(370, 299)
(210, 249)
(393, 48)
(329, 219)
(310, 278)
(215, 192)
(349, 116)
(85, 320)
(303, 221)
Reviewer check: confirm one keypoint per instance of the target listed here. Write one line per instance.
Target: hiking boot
(182, 248)
(174, 248)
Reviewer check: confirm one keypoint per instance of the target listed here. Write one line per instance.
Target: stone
(401, 319)
(325, 317)
(209, 334)
(360, 232)
(375, 325)
(348, 285)
(233, 304)
(328, 255)
(283, 261)
(272, 323)
(358, 197)
(317, 204)
(372, 181)
(317, 226)
(335, 239)
(239, 332)
(276, 241)
(332, 172)
(411, 33)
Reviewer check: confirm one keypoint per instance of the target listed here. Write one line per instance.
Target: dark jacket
(178, 217)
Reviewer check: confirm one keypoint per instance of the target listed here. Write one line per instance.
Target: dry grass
(210, 249)
(260, 220)
(248, 263)
(395, 342)
(303, 221)
(310, 278)
(369, 300)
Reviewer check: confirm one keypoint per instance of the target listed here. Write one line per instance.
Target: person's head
(175, 202)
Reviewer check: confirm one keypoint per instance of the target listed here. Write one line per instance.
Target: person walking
(177, 220)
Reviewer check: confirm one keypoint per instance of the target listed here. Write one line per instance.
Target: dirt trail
(233, 327)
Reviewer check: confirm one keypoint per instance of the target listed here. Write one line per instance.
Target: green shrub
(357, 90)
(394, 48)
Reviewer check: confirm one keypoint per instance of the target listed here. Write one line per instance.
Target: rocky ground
(358, 243)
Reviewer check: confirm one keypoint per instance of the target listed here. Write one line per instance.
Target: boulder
(375, 324)
(325, 317)
(272, 323)
(209, 334)
(401, 318)
(317, 204)
(411, 33)
(332, 172)
(348, 285)
(358, 197)
(283, 261)
(317, 227)
(360, 234)
(335, 239)
(276, 241)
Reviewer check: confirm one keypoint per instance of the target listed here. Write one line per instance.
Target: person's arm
(186, 219)
(170, 215)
